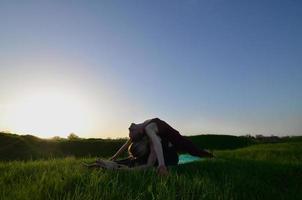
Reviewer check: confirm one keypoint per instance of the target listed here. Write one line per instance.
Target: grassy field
(265, 171)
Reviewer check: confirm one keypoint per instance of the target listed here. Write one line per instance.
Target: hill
(28, 147)
(221, 142)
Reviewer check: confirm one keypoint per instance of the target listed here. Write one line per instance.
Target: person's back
(168, 133)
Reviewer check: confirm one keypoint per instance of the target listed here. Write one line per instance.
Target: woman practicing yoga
(156, 143)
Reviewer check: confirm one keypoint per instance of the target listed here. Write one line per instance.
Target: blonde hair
(140, 148)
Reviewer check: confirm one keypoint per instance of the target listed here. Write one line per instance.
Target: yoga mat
(186, 158)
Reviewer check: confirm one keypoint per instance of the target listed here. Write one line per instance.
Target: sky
(205, 67)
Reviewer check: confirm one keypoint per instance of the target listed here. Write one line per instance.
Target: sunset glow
(50, 113)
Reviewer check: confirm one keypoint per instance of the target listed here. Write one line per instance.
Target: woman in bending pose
(162, 141)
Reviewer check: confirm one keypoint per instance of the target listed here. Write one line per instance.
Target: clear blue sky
(208, 66)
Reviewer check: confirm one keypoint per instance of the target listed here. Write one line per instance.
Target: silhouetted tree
(73, 136)
(56, 138)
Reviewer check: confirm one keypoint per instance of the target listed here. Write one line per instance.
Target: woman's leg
(128, 162)
(132, 162)
(170, 153)
(180, 142)
(184, 144)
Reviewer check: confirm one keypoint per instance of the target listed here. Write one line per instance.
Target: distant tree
(248, 136)
(73, 136)
(56, 138)
(259, 136)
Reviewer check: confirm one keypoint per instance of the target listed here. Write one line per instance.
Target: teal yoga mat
(186, 158)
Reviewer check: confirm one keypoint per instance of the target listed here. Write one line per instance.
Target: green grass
(267, 171)
(287, 153)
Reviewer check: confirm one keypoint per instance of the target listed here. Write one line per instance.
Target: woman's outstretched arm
(121, 150)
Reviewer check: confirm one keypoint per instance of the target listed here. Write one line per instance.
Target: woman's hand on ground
(113, 158)
(162, 170)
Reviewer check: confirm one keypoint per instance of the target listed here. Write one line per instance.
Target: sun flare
(50, 113)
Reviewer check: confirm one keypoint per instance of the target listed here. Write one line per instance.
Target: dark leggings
(185, 145)
(181, 143)
(170, 153)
